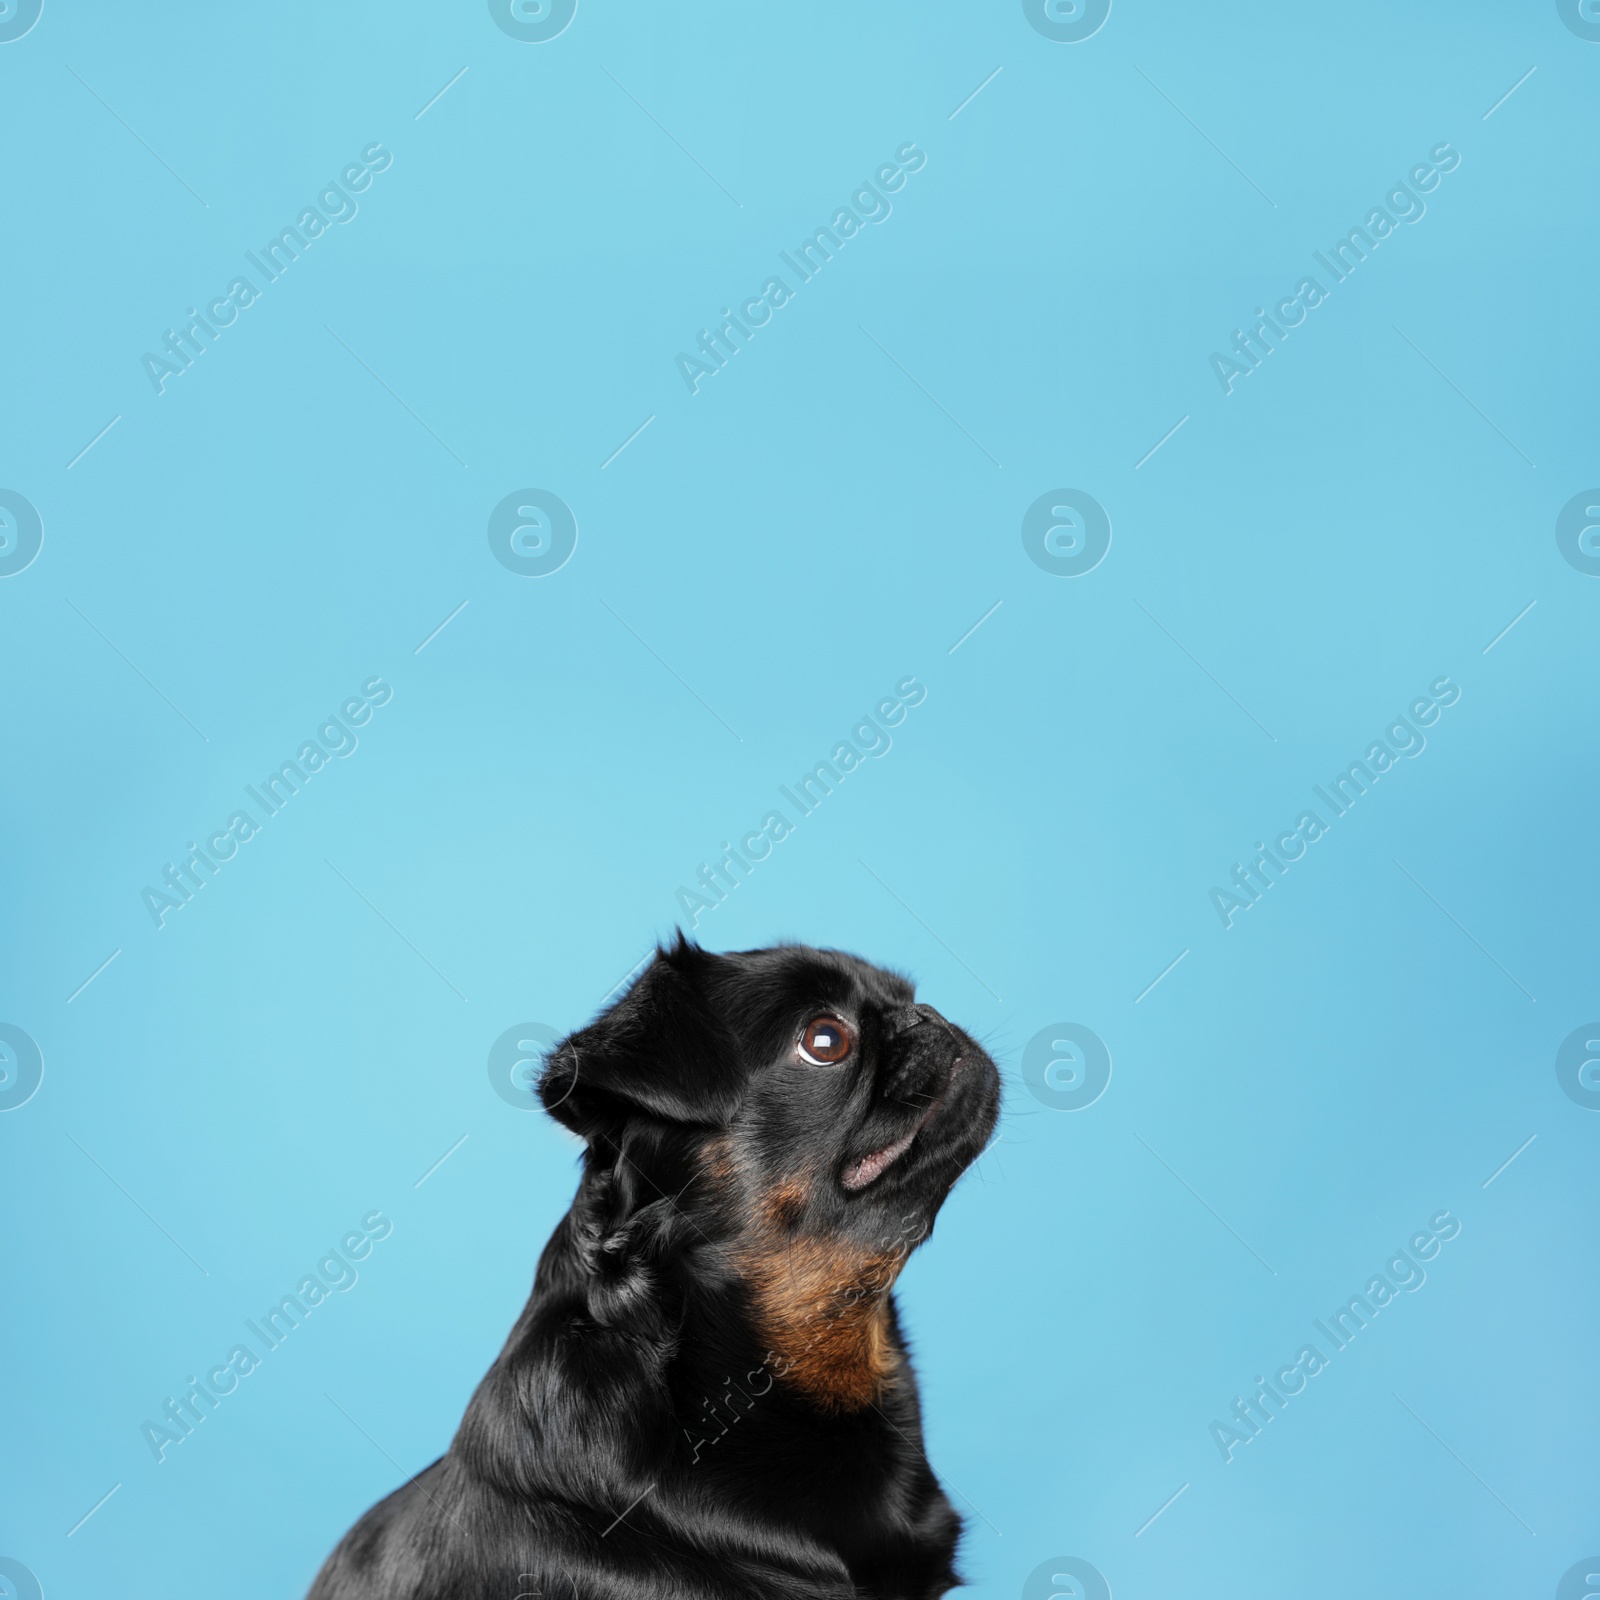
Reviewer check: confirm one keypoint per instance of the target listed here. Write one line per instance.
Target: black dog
(707, 1395)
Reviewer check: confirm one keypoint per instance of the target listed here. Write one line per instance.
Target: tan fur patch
(822, 1308)
(821, 1304)
(717, 1154)
(785, 1205)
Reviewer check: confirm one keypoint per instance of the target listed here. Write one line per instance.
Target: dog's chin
(941, 1143)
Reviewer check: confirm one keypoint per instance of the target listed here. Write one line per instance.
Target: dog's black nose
(898, 1023)
(919, 1042)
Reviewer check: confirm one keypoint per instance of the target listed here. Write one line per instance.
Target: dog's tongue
(860, 1173)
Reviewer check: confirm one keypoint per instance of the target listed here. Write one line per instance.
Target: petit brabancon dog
(707, 1395)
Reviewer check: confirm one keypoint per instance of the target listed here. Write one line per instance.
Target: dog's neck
(765, 1362)
(821, 1308)
(816, 1308)
(818, 1304)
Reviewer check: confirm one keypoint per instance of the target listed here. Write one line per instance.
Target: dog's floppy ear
(660, 1051)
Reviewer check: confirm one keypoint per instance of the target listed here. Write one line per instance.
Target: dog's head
(801, 1114)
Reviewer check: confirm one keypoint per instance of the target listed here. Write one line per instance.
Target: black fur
(707, 1395)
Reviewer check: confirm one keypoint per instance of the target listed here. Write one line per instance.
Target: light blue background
(753, 571)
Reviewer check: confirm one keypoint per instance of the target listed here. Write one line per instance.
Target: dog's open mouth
(860, 1173)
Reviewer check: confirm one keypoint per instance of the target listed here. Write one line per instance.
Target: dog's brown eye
(826, 1041)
